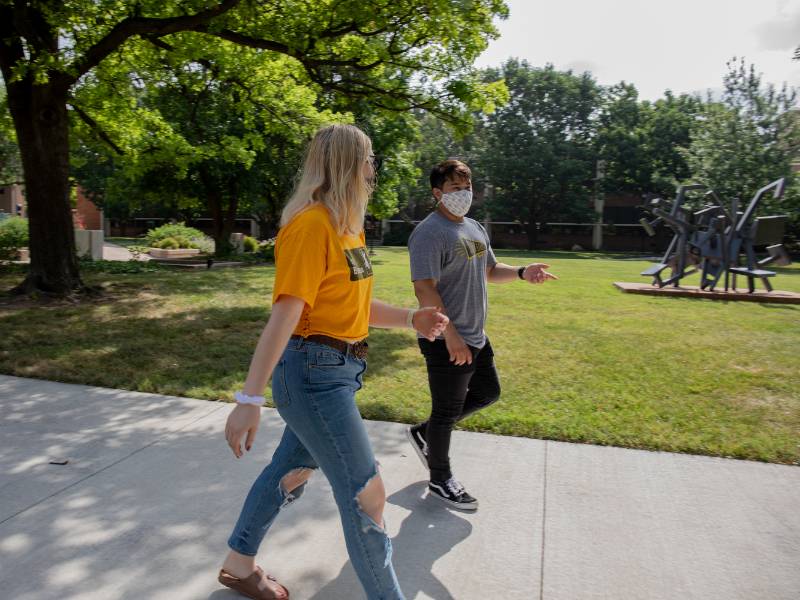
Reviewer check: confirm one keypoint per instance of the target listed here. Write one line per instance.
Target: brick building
(85, 214)
(12, 200)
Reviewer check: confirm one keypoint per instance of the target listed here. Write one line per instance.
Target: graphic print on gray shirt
(456, 255)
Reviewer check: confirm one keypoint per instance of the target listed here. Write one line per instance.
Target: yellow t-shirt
(331, 273)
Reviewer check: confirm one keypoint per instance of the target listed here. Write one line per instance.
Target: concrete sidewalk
(113, 251)
(144, 506)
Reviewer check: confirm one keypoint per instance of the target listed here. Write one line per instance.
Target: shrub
(137, 251)
(176, 231)
(267, 249)
(250, 244)
(205, 245)
(167, 244)
(184, 242)
(13, 236)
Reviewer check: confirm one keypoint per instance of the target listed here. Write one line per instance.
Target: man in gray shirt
(451, 261)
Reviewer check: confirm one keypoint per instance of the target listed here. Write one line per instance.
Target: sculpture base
(692, 291)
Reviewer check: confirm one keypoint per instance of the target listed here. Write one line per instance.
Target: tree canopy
(747, 139)
(398, 55)
(538, 150)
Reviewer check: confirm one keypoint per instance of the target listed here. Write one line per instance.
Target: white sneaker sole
(419, 453)
(471, 507)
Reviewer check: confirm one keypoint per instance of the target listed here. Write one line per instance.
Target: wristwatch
(520, 272)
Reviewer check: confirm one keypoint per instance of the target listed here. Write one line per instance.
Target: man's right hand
(459, 351)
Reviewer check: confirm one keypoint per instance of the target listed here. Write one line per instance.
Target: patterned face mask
(457, 203)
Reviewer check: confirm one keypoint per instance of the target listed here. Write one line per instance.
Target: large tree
(401, 54)
(748, 138)
(435, 141)
(217, 136)
(224, 138)
(640, 142)
(538, 150)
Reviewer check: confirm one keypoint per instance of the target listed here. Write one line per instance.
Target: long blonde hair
(332, 175)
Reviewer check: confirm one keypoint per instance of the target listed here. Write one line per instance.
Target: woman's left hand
(430, 322)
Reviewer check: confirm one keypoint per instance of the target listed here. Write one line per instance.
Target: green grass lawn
(578, 360)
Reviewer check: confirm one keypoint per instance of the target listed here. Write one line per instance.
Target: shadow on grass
(200, 352)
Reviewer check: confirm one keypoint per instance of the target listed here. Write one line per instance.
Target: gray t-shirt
(456, 256)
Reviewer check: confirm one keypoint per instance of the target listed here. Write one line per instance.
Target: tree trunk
(267, 225)
(268, 217)
(41, 122)
(222, 217)
(229, 219)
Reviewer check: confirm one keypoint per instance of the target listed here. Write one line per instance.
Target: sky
(680, 45)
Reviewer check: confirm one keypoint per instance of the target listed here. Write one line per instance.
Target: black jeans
(457, 391)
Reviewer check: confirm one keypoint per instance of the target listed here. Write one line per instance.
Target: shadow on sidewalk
(425, 535)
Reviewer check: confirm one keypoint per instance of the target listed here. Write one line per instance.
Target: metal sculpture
(717, 240)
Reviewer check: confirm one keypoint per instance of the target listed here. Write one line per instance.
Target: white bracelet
(410, 318)
(242, 398)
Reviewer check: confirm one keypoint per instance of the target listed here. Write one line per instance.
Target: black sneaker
(453, 493)
(417, 439)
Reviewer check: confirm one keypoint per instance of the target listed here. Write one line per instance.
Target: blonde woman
(314, 348)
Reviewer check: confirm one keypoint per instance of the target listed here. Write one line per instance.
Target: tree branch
(159, 43)
(96, 128)
(261, 44)
(142, 26)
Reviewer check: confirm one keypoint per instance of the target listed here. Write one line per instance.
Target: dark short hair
(449, 170)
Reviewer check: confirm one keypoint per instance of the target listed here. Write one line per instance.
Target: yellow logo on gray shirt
(470, 248)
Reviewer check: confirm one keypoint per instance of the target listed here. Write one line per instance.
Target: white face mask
(457, 203)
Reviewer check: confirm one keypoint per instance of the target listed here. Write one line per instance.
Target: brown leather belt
(359, 349)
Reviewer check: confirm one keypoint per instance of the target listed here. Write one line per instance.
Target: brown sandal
(257, 585)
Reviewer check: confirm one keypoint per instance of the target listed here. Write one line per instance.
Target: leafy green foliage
(167, 244)
(119, 267)
(538, 150)
(143, 78)
(250, 244)
(175, 232)
(13, 236)
(747, 140)
(137, 250)
(640, 142)
(266, 249)
(10, 160)
(435, 141)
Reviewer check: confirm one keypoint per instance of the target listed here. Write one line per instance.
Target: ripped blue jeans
(313, 387)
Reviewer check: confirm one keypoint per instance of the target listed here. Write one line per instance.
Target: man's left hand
(537, 273)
